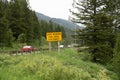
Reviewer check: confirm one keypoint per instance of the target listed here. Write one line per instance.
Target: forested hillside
(67, 28)
(18, 23)
(51, 27)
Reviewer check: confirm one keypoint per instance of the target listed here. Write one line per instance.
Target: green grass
(67, 65)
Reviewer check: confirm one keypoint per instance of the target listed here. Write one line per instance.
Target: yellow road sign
(54, 36)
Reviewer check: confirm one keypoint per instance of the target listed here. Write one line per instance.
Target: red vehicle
(28, 48)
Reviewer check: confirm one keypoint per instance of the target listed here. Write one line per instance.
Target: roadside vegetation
(98, 60)
(67, 65)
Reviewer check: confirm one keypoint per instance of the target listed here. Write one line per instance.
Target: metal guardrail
(16, 52)
(20, 52)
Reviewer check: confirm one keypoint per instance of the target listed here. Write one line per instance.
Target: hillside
(68, 65)
(66, 23)
(43, 17)
(59, 21)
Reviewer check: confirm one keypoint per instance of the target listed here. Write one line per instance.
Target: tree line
(102, 21)
(51, 27)
(17, 19)
(18, 23)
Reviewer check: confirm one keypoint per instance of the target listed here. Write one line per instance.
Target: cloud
(52, 8)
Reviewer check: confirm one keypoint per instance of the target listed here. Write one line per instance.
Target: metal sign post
(50, 47)
(58, 47)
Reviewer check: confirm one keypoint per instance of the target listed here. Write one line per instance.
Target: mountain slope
(43, 17)
(59, 21)
(65, 23)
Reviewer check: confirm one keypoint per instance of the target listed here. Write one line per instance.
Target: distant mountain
(65, 23)
(62, 22)
(43, 17)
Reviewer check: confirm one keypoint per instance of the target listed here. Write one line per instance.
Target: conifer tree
(5, 33)
(50, 27)
(16, 18)
(98, 35)
(116, 56)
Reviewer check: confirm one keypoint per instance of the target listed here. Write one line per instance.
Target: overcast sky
(52, 8)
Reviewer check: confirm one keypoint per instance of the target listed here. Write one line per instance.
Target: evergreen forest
(20, 25)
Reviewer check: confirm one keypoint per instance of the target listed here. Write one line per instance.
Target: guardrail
(18, 52)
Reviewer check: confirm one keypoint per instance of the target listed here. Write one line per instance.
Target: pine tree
(16, 18)
(9, 38)
(23, 21)
(63, 32)
(99, 32)
(44, 27)
(30, 28)
(116, 56)
(50, 27)
(5, 33)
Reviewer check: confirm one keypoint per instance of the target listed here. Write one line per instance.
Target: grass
(67, 65)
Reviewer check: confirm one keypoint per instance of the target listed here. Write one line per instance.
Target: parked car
(27, 48)
(61, 46)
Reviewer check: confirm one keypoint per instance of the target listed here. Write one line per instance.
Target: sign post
(58, 47)
(54, 36)
(50, 47)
